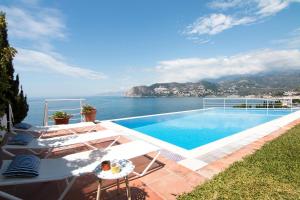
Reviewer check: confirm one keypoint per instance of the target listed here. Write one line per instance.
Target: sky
(83, 48)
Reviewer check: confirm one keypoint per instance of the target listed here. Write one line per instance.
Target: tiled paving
(193, 163)
(219, 165)
(166, 180)
(171, 155)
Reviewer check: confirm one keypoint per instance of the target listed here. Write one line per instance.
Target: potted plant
(60, 117)
(89, 113)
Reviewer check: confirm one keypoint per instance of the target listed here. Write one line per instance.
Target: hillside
(268, 83)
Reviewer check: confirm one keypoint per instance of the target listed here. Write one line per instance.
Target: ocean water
(117, 107)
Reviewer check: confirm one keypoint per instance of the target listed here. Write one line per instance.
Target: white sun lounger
(46, 129)
(74, 165)
(36, 146)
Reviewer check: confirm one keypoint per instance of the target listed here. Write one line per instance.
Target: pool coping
(191, 157)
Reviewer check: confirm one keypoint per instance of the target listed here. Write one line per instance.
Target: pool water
(193, 129)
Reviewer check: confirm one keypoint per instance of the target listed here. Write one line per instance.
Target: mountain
(273, 83)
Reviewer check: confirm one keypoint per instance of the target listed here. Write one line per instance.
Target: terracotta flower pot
(90, 116)
(59, 121)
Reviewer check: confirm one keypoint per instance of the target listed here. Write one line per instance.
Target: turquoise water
(193, 129)
(118, 107)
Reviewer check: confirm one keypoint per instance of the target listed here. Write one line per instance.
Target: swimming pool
(190, 130)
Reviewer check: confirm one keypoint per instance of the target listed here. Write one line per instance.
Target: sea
(113, 107)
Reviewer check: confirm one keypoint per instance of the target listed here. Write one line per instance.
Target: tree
(4, 83)
(4, 86)
(19, 102)
(9, 85)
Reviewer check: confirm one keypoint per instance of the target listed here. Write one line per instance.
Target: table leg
(118, 186)
(127, 188)
(99, 190)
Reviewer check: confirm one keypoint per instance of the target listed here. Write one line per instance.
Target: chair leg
(92, 128)
(111, 144)
(89, 145)
(72, 131)
(95, 148)
(8, 196)
(41, 134)
(34, 152)
(99, 190)
(69, 185)
(118, 186)
(49, 152)
(148, 166)
(8, 152)
(127, 188)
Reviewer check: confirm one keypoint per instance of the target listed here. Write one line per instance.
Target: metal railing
(252, 103)
(47, 110)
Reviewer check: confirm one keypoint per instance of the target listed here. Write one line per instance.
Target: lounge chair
(74, 165)
(36, 146)
(40, 130)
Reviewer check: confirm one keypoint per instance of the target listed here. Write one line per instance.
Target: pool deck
(166, 179)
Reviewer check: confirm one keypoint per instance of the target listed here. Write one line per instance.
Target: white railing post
(81, 116)
(203, 103)
(224, 103)
(246, 104)
(291, 103)
(45, 123)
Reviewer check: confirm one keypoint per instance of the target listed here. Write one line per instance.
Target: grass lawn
(273, 172)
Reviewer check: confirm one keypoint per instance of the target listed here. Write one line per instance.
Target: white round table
(126, 168)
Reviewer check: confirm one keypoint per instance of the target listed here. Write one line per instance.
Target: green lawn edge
(273, 172)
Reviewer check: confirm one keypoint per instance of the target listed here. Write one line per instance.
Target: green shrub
(60, 115)
(87, 109)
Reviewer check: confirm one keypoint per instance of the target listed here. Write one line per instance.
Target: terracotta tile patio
(166, 179)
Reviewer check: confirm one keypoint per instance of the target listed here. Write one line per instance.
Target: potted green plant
(89, 113)
(60, 117)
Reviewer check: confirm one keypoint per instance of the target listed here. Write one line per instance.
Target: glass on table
(115, 167)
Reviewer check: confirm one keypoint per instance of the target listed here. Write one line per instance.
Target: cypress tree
(4, 83)
(19, 102)
(11, 93)
(4, 86)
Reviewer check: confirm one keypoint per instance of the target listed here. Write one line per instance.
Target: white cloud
(271, 7)
(38, 24)
(30, 60)
(244, 12)
(38, 27)
(194, 69)
(225, 4)
(259, 7)
(215, 23)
